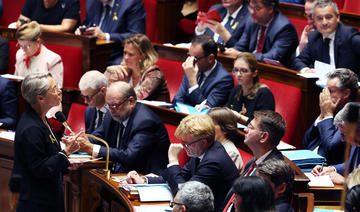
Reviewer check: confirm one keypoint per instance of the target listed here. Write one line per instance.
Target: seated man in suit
(234, 14)
(337, 171)
(323, 136)
(209, 163)
(268, 34)
(280, 175)
(205, 80)
(113, 20)
(193, 196)
(8, 104)
(93, 86)
(262, 135)
(137, 137)
(332, 42)
(53, 16)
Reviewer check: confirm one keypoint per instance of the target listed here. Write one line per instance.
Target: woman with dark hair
(140, 70)
(253, 193)
(226, 132)
(250, 95)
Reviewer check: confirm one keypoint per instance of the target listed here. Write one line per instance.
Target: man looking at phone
(113, 20)
(206, 81)
(230, 29)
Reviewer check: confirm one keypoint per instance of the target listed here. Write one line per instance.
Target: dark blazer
(144, 144)
(346, 49)
(215, 89)
(275, 153)
(283, 205)
(4, 55)
(216, 169)
(128, 17)
(238, 23)
(352, 159)
(8, 103)
(280, 41)
(328, 138)
(90, 116)
(38, 166)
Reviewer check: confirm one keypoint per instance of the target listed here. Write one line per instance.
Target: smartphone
(82, 29)
(23, 21)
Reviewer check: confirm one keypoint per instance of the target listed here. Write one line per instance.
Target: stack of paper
(319, 181)
(304, 159)
(183, 108)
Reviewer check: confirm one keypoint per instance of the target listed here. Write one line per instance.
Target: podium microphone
(61, 118)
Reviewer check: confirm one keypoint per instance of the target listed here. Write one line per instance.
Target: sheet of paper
(11, 76)
(282, 146)
(154, 192)
(82, 160)
(155, 103)
(322, 69)
(153, 208)
(10, 135)
(319, 181)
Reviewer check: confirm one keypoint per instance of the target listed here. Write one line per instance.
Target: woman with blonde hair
(33, 57)
(226, 132)
(139, 69)
(249, 95)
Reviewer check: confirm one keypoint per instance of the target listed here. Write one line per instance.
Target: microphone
(61, 118)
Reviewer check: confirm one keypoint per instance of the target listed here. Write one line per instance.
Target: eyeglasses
(27, 46)
(255, 9)
(116, 106)
(196, 59)
(251, 127)
(54, 89)
(89, 98)
(241, 70)
(191, 143)
(172, 204)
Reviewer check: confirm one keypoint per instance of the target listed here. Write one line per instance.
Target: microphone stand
(106, 171)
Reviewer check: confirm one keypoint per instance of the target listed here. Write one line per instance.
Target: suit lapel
(113, 16)
(337, 44)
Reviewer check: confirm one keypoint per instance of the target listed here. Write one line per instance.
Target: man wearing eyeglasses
(262, 135)
(93, 89)
(268, 34)
(206, 81)
(137, 137)
(209, 163)
(332, 42)
(193, 196)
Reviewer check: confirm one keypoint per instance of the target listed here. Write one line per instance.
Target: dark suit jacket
(38, 166)
(215, 89)
(346, 49)
(280, 41)
(283, 205)
(4, 55)
(238, 23)
(216, 170)
(128, 17)
(352, 159)
(8, 104)
(328, 138)
(275, 153)
(90, 116)
(144, 144)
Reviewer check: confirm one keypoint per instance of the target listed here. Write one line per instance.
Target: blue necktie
(106, 20)
(201, 77)
(228, 27)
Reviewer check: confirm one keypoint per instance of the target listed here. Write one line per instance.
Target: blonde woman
(33, 57)
(139, 69)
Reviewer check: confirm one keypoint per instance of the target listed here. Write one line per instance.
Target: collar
(102, 109)
(125, 122)
(202, 156)
(262, 158)
(331, 36)
(234, 13)
(208, 72)
(111, 4)
(27, 59)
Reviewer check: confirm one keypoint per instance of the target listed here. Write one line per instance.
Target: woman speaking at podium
(39, 161)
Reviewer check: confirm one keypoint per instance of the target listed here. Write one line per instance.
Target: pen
(202, 104)
(322, 166)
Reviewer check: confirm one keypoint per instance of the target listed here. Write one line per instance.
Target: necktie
(201, 78)
(227, 27)
(120, 133)
(261, 39)
(27, 59)
(325, 51)
(251, 168)
(99, 119)
(106, 20)
(197, 161)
